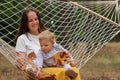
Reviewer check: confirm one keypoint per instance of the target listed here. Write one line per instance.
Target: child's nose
(43, 47)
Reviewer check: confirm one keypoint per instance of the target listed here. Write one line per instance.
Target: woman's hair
(47, 35)
(24, 22)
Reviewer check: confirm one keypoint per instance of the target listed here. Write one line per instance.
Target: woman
(27, 37)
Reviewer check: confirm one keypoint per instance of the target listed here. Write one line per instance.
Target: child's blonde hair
(47, 35)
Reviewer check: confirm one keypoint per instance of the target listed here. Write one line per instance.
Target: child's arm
(39, 59)
(39, 64)
(60, 48)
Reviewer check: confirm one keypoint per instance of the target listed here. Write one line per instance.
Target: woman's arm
(20, 60)
(21, 52)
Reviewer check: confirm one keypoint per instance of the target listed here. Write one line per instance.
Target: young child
(49, 47)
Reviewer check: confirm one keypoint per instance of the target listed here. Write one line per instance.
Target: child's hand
(72, 63)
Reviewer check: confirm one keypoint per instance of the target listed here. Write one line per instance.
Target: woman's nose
(34, 21)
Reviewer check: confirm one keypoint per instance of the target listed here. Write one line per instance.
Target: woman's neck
(34, 33)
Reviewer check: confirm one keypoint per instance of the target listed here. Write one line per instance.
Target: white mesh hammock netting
(80, 30)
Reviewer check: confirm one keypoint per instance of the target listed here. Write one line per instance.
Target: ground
(105, 65)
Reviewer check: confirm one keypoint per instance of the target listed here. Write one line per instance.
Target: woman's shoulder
(23, 36)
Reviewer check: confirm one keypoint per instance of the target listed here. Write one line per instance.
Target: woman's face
(33, 22)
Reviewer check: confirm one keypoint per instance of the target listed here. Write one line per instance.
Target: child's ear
(53, 41)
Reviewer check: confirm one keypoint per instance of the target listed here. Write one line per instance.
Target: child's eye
(46, 45)
(41, 45)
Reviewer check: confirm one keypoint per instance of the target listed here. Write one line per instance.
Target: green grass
(105, 65)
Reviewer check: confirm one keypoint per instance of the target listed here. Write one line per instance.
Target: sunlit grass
(105, 65)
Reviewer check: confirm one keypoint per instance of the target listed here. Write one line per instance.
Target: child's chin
(45, 51)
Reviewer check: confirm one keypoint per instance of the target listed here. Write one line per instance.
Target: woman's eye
(36, 18)
(29, 20)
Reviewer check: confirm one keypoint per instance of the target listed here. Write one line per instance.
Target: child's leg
(69, 71)
(78, 72)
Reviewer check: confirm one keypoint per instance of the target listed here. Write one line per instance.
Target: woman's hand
(72, 63)
(38, 74)
(20, 61)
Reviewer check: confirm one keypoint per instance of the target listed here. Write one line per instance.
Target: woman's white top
(28, 43)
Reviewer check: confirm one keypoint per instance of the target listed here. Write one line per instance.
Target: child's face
(46, 45)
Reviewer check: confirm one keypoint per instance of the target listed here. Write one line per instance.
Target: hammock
(80, 30)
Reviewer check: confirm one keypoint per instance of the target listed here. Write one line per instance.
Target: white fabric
(67, 66)
(27, 43)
